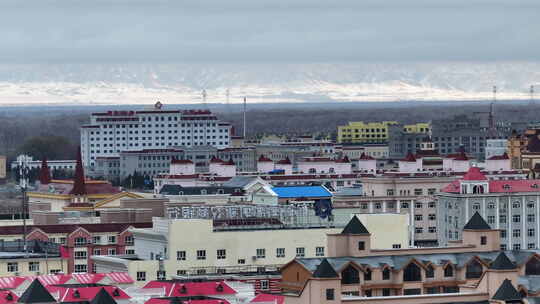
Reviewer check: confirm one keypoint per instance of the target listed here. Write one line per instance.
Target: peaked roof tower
(79, 186)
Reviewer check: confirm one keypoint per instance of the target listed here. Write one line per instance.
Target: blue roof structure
(302, 191)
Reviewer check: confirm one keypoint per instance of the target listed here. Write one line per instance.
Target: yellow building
(421, 127)
(197, 246)
(374, 132)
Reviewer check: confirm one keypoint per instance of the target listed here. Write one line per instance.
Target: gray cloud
(267, 31)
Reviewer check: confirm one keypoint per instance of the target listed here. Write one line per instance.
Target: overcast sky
(156, 31)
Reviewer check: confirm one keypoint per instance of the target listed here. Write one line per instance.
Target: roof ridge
(355, 226)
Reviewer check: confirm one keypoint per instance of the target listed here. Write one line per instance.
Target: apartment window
(531, 246)
(502, 219)
(432, 217)
(432, 229)
(430, 272)
(491, 205)
(449, 271)
(129, 240)
(221, 254)
(418, 217)
(491, 219)
(201, 254)
(161, 275)
(405, 205)
(516, 247)
(260, 253)
(377, 205)
(96, 239)
(516, 233)
(33, 266)
(319, 251)
(180, 272)
(130, 251)
(530, 204)
(386, 274)
(300, 252)
(530, 232)
(367, 275)
(280, 252)
(80, 255)
(111, 251)
(80, 241)
(503, 247)
(503, 234)
(418, 192)
(418, 205)
(531, 218)
(97, 251)
(112, 239)
(476, 206)
(363, 206)
(516, 205)
(181, 255)
(241, 261)
(330, 294)
(265, 285)
(516, 218)
(389, 192)
(361, 245)
(81, 268)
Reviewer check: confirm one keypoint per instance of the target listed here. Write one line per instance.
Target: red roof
(263, 158)
(69, 228)
(268, 298)
(474, 174)
(409, 158)
(216, 160)
(8, 297)
(343, 160)
(11, 282)
(204, 301)
(364, 156)
(181, 161)
(502, 186)
(230, 162)
(80, 294)
(285, 161)
(499, 157)
(177, 289)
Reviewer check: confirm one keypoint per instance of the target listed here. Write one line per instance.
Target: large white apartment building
(112, 132)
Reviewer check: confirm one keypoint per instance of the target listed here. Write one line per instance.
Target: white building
(68, 164)
(112, 132)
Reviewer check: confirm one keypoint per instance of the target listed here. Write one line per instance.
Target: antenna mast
(245, 102)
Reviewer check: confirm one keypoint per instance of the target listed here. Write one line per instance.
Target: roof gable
(476, 223)
(355, 226)
(325, 270)
(507, 292)
(36, 293)
(502, 262)
(474, 174)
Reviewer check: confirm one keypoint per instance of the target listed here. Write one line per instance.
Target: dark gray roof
(399, 262)
(36, 293)
(103, 297)
(476, 223)
(355, 227)
(507, 292)
(179, 190)
(239, 181)
(325, 270)
(502, 262)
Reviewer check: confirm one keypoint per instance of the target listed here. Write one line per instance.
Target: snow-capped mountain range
(81, 84)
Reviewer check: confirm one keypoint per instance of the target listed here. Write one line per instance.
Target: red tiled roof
(501, 186)
(364, 156)
(343, 160)
(474, 174)
(269, 298)
(285, 161)
(216, 160)
(409, 158)
(263, 158)
(8, 297)
(181, 161)
(66, 186)
(69, 228)
(177, 289)
(499, 157)
(81, 294)
(11, 282)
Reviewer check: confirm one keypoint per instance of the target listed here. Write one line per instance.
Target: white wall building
(111, 132)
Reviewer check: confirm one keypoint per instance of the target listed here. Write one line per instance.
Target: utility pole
(23, 183)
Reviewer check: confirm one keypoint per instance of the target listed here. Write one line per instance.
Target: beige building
(205, 246)
(3, 173)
